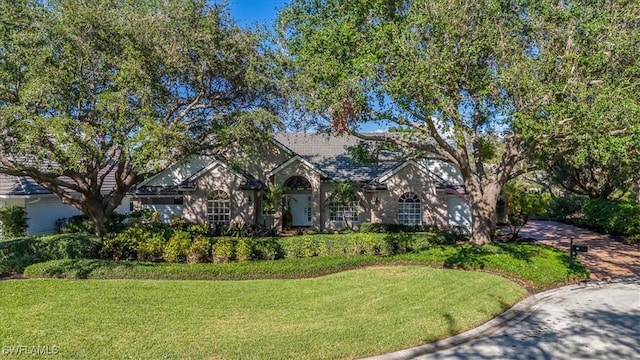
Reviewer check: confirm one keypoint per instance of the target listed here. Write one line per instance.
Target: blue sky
(248, 13)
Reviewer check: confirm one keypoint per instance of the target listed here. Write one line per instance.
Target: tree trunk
(483, 204)
(99, 219)
(99, 208)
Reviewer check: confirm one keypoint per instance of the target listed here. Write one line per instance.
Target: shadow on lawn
(476, 257)
(83, 268)
(473, 257)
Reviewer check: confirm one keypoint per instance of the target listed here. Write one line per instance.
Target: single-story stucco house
(229, 187)
(42, 207)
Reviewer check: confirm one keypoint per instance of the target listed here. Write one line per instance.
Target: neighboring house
(230, 187)
(43, 208)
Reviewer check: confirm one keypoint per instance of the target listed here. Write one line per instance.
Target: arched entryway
(298, 200)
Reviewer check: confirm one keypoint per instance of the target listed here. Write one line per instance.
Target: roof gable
(295, 158)
(178, 172)
(212, 166)
(392, 172)
(331, 155)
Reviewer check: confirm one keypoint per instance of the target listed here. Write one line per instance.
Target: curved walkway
(606, 258)
(592, 320)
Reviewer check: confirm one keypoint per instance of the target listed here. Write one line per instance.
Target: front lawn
(344, 315)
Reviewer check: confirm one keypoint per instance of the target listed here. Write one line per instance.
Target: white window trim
(353, 209)
(409, 211)
(218, 202)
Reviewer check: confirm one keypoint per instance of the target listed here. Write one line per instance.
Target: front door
(300, 207)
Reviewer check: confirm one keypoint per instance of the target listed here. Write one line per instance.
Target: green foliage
(245, 249)
(200, 250)
(384, 228)
(537, 265)
(151, 248)
(198, 229)
(79, 224)
(178, 247)
(268, 249)
(13, 221)
(522, 205)
(566, 207)
(124, 245)
(122, 89)
(82, 224)
(618, 217)
(224, 250)
(18, 253)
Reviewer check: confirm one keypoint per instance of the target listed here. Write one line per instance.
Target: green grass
(536, 266)
(345, 315)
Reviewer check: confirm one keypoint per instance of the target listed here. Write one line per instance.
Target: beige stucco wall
(364, 210)
(259, 159)
(410, 179)
(298, 168)
(242, 202)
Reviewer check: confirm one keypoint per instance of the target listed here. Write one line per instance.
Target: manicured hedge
(18, 253)
(536, 265)
(160, 244)
(617, 217)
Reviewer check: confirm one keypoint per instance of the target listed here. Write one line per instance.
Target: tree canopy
(483, 84)
(109, 91)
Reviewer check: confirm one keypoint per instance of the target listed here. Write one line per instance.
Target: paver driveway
(593, 320)
(606, 258)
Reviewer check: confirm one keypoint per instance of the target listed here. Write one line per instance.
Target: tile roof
(20, 185)
(23, 185)
(331, 155)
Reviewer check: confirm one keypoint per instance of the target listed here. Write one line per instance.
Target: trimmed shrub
(620, 217)
(200, 250)
(566, 207)
(121, 246)
(223, 250)
(617, 217)
(178, 247)
(245, 249)
(198, 229)
(18, 253)
(13, 221)
(385, 228)
(268, 249)
(151, 249)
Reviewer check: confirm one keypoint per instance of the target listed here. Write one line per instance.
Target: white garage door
(459, 214)
(42, 215)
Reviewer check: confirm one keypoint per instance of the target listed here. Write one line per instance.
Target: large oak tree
(482, 84)
(110, 91)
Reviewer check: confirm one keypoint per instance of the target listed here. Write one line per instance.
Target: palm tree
(274, 199)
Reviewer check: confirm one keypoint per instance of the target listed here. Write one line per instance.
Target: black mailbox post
(575, 249)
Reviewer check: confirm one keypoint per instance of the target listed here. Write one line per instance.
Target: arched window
(218, 208)
(297, 183)
(409, 209)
